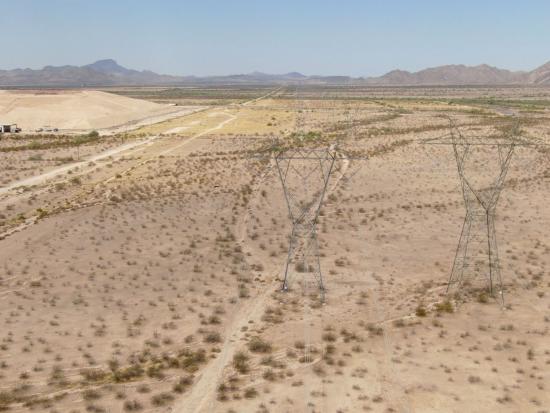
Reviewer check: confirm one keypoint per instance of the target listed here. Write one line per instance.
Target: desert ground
(141, 267)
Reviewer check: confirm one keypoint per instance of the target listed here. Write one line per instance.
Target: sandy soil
(152, 282)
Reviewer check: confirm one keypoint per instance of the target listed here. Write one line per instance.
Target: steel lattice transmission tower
(305, 174)
(306, 162)
(482, 180)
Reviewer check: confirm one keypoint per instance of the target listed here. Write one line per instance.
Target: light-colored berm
(74, 110)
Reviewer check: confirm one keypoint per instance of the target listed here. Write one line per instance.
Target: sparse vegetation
(258, 345)
(240, 362)
(129, 280)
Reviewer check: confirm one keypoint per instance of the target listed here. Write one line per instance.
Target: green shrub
(483, 298)
(132, 406)
(240, 362)
(182, 384)
(444, 307)
(6, 399)
(269, 375)
(250, 393)
(93, 375)
(258, 345)
(128, 373)
(421, 311)
(330, 337)
(213, 337)
(162, 399)
(91, 394)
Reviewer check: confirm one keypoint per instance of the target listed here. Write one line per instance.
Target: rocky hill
(109, 73)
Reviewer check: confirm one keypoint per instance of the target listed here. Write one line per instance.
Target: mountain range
(109, 73)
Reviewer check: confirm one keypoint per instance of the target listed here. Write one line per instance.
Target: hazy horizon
(354, 38)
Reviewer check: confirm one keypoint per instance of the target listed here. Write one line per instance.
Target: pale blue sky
(207, 37)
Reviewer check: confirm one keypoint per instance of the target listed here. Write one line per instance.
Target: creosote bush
(444, 307)
(421, 311)
(250, 393)
(162, 399)
(132, 406)
(213, 337)
(182, 384)
(482, 298)
(240, 362)
(258, 345)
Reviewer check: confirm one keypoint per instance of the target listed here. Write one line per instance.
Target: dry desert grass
(149, 281)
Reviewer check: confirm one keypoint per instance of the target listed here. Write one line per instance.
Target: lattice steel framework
(476, 255)
(305, 174)
(305, 163)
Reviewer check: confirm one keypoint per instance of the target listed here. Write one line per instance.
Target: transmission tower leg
(317, 264)
(291, 246)
(490, 255)
(461, 256)
(494, 262)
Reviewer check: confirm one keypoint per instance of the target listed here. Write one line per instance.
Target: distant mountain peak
(398, 72)
(111, 62)
(108, 66)
(541, 75)
(455, 74)
(545, 66)
(295, 75)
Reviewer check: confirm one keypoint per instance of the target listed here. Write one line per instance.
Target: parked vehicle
(12, 128)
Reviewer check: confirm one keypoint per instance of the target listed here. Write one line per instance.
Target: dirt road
(11, 194)
(121, 150)
(43, 178)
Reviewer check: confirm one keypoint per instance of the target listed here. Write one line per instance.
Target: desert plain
(143, 247)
